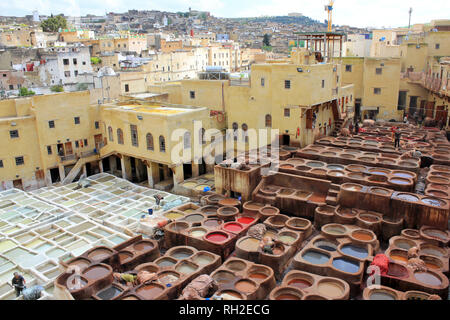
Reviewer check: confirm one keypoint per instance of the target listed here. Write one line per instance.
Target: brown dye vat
(227, 213)
(396, 270)
(432, 262)
(96, 272)
(363, 235)
(302, 168)
(298, 224)
(237, 265)
(179, 226)
(143, 246)
(150, 266)
(435, 234)
(288, 294)
(209, 210)
(356, 168)
(81, 263)
(410, 233)
(125, 256)
(229, 202)
(150, 291)
(356, 176)
(277, 221)
(400, 256)
(252, 207)
(223, 277)
(246, 286)
(436, 193)
(212, 223)
(99, 254)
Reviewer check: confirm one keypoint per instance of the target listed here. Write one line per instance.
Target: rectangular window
(11, 87)
(66, 62)
(263, 82)
(127, 88)
(287, 84)
(97, 125)
(19, 161)
(49, 150)
(378, 71)
(75, 61)
(85, 142)
(287, 112)
(14, 133)
(76, 73)
(77, 120)
(51, 124)
(192, 94)
(1, 163)
(438, 46)
(67, 74)
(377, 90)
(77, 144)
(134, 135)
(348, 68)
(323, 83)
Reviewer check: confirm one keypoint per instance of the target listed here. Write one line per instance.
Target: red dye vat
(245, 220)
(216, 237)
(233, 227)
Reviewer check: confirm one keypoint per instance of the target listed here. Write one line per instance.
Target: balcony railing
(69, 157)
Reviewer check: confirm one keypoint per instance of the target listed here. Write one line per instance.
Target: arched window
(244, 132)
(149, 138)
(119, 136)
(162, 144)
(235, 129)
(235, 126)
(187, 140)
(110, 134)
(202, 136)
(268, 121)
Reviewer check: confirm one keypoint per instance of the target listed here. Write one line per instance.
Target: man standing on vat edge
(18, 283)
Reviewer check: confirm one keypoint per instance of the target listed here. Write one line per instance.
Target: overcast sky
(359, 13)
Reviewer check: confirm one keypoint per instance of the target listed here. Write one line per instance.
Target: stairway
(74, 172)
(332, 196)
(337, 127)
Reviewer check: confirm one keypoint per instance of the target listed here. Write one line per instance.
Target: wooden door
(68, 148)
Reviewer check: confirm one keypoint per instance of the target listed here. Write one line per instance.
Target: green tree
(57, 88)
(266, 40)
(96, 60)
(24, 92)
(53, 24)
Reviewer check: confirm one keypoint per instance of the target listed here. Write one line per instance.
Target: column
(178, 175)
(100, 166)
(153, 174)
(84, 170)
(62, 173)
(195, 169)
(112, 164)
(126, 167)
(48, 178)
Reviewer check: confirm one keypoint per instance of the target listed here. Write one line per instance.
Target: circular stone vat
(203, 258)
(352, 187)
(434, 202)
(209, 210)
(315, 164)
(298, 224)
(277, 221)
(404, 244)
(328, 154)
(186, 267)
(326, 209)
(295, 161)
(367, 159)
(410, 233)
(150, 291)
(232, 294)
(371, 218)
(96, 272)
(246, 286)
(179, 226)
(320, 172)
(408, 164)
(407, 197)
(300, 281)
(363, 235)
(287, 294)
(432, 250)
(233, 227)
(76, 283)
(245, 220)
(432, 263)
(223, 277)
(143, 245)
(269, 211)
(436, 193)
(286, 192)
(259, 273)
(380, 172)
(347, 156)
(336, 167)
(287, 237)
(181, 253)
(236, 265)
(356, 168)
(356, 176)
(334, 229)
(336, 173)
(217, 237)
(403, 174)
(346, 265)
(416, 295)
(212, 223)
(81, 263)
(302, 194)
(382, 294)
(346, 212)
(166, 277)
(331, 288)
(355, 251)
(227, 211)
(198, 232)
(287, 166)
(149, 267)
(172, 215)
(327, 245)
(315, 257)
(428, 278)
(439, 180)
(229, 202)
(378, 190)
(400, 256)
(248, 244)
(302, 168)
(98, 254)
(435, 233)
(400, 181)
(194, 218)
(165, 262)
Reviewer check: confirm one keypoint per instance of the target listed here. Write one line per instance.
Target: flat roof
(154, 109)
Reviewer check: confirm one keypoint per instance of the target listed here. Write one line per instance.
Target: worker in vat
(356, 127)
(18, 283)
(416, 154)
(397, 136)
(128, 278)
